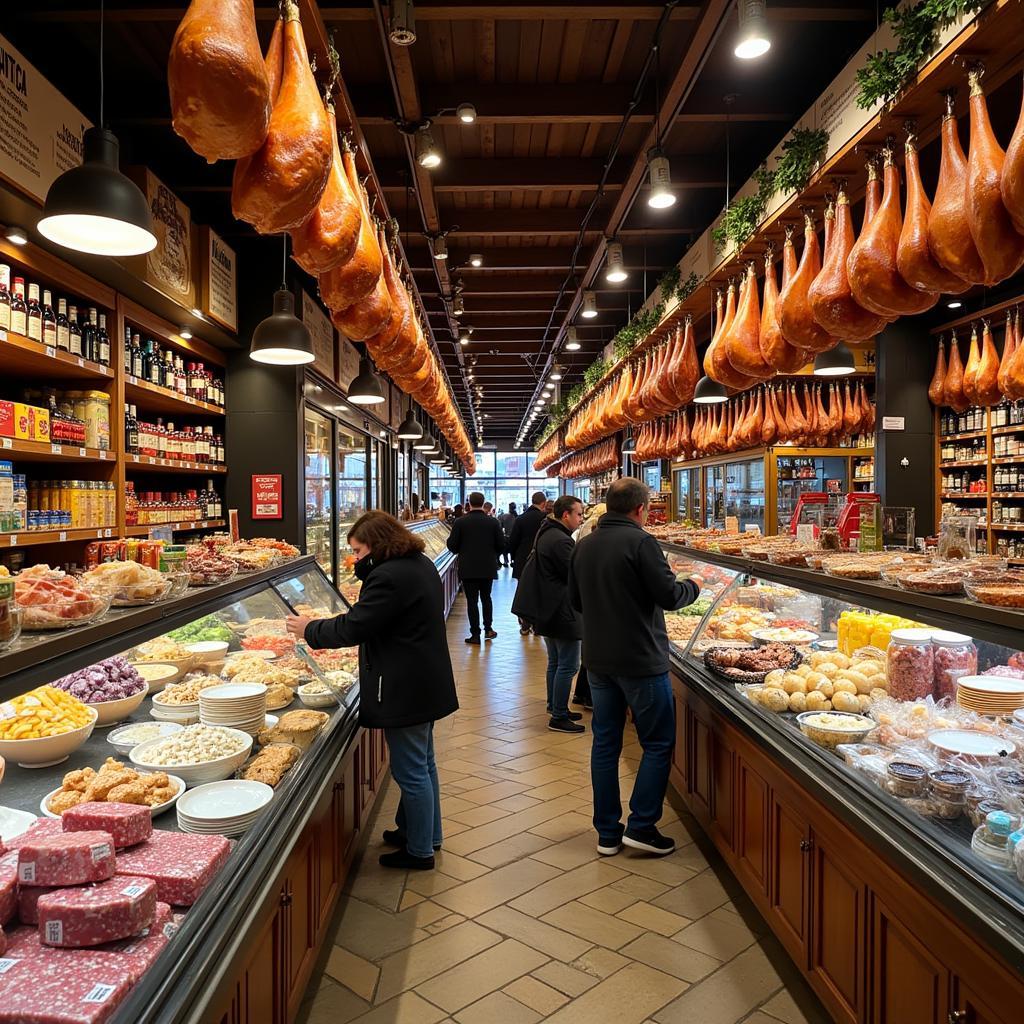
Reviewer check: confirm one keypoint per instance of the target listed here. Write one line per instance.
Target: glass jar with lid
(10, 614)
(954, 656)
(910, 664)
(991, 839)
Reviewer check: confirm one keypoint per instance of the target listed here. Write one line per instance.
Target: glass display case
(319, 482)
(687, 495)
(232, 632)
(908, 709)
(744, 493)
(434, 533)
(796, 475)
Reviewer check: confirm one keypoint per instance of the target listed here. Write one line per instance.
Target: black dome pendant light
(410, 429)
(94, 208)
(282, 339)
(365, 389)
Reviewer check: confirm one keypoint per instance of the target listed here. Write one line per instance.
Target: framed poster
(267, 496)
(321, 330)
(218, 279)
(348, 363)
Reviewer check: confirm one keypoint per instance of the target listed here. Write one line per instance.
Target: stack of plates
(990, 695)
(223, 808)
(236, 705)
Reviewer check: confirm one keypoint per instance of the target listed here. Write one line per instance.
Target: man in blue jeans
(620, 581)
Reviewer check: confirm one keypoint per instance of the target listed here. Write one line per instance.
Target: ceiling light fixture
(557, 372)
(466, 113)
(439, 247)
(709, 392)
(954, 304)
(282, 339)
(573, 344)
(662, 196)
(836, 362)
(424, 443)
(464, 335)
(427, 153)
(409, 429)
(615, 264)
(365, 389)
(402, 28)
(589, 310)
(185, 332)
(476, 260)
(458, 306)
(16, 235)
(629, 445)
(752, 41)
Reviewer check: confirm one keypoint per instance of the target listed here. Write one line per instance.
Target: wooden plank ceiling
(552, 85)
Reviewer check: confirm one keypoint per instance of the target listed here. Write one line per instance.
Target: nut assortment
(187, 691)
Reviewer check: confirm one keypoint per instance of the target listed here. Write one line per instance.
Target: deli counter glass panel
(744, 493)
(687, 495)
(796, 475)
(928, 721)
(319, 482)
(434, 535)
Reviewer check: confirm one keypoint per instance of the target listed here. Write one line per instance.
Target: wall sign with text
(267, 496)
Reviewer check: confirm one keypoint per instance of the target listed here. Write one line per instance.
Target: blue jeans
(650, 700)
(563, 663)
(413, 768)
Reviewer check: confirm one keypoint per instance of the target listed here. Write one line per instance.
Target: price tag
(81, 453)
(132, 379)
(135, 458)
(3, 335)
(55, 449)
(107, 532)
(203, 525)
(63, 535)
(103, 453)
(8, 443)
(51, 351)
(80, 361)
(99, 535)
(14, 540)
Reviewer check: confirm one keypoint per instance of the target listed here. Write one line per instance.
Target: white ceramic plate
(231, 692)
(970, 744)
(154, 811)
(13, 822)
(991, 684)
(796, 636)
(223, 801)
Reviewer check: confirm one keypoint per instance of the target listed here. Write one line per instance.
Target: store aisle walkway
(522, 921)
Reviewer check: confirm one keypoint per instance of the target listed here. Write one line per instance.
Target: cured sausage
(832, 302)
(279, 186)
(999, 244)
(914, 258)
(874, 277)
(742, 347)
(796, 317)
(1012, 183)
(220, 93)
(935, 388)
(949, 235)
(987, 378)
(953, 394)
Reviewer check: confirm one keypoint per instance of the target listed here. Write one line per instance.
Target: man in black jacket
(478, 541)
(560, 625)
(520, 541)
(620, 581)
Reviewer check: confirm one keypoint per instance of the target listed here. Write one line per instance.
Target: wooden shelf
(964, 463)
(1013, 428)
(153, 398)
(1012, 527)
(27, 539)
(965, 496)
(41, 451)
(1008, 460)
(965, 437)
(23, 357)
(1008, 494)
(181, 527)
(155, 465)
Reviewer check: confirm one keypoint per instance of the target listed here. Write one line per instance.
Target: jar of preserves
(10, 614)
(955, 655)
(910, 664)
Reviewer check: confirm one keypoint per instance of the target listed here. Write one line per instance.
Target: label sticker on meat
(133, 890)
(170, 929)
(55, 931)
(99, 993)
(99, 851)
(6, 963)
(27, 871)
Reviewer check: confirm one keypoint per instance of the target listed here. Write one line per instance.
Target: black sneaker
(490, 634)
(650, 840)
(575, 716)
(474, 639)
(564, 725)
(405, 861)
(608, 846)
(392, 837)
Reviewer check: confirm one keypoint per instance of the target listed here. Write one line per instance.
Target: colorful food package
(127, 824)
(181, 864)
(88, 915)
(67, 859)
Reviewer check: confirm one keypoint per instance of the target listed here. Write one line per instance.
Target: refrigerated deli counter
(245, 949)
(885, 861)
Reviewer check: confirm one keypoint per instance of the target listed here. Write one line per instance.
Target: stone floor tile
(659, 869)
(355, 973)
(599, 962)
(592, 925)
(536, 934)
(458, 867)
(478, 815)
(571, 853)
(566, 886)
(330, 1003)
(424, 913)
(670, 957)
(715, 937)
(371, 933)
(757, 1017)
(480, 975)
(640, 887)
(784, 1007)
(430, 883)
(509, 850)
(495, 792)
(564, 827)
(564, 978)
(410, 899)
(654, 919)
(519, 802)
(536, 995)
(407, 1008)
(496, 887)
(627, 997)
(497, 1008)
(443, 923)
(552, 790)
(608, 900)
(694, 898)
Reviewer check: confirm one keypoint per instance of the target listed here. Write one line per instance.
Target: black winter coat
(552, 551)
(478, 540)
(620, 581)
(405, 673)
(520, 541)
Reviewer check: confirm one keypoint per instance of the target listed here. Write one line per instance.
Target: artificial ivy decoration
(688, 287)
(669, 282)
(595, 371)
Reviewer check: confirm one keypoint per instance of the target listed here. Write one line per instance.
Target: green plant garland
(688, 287)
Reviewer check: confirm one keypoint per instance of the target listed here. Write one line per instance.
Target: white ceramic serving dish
(196, 774)
(126, 746)
(48, 750)
(964, 743)
(111, 712)
(154, 810)
(14, 821)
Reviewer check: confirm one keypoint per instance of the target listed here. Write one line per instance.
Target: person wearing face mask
(405, 672)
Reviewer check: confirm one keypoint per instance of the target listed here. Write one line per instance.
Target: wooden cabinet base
(875, 946)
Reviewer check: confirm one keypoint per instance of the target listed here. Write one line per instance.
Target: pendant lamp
(836, 362)
(709, 392)
(629, 445)
(282, 339)
(365, 389)
(94, 208)
(409, 429)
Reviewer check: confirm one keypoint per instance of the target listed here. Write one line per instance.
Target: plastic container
(991, 839)
(906, 779)
(10, 615)
(910, 664)
(955, 656)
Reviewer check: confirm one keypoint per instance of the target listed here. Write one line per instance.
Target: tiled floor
(522, 921)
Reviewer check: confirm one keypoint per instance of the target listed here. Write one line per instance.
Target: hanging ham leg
(935, 388)
(1012, 182)
(796, 317)
(769, 425)
(987, 379)
(850, 415)
(1015, 375)
(1006, 362)
(949, 234)
(742, 348)
(721, 369)
(953, 394)
(777, 352)
(1000, 245)
(972, 367)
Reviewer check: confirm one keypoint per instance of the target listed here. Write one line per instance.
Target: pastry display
(296, 727)
(51, 599)
(270, 764)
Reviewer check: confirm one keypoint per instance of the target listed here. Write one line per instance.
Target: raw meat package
(28, 897)
(42, 827)
(181, 864)
(127, 823)
(73, 858)
(3, 942)
(8, 886)
(52, 990)
(140, 951)
(90, 914)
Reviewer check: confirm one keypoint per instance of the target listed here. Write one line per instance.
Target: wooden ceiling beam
(535, 258)
(530, 222)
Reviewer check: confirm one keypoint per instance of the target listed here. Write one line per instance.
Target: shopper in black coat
(520, 540)
(478, 540)
(405, 673)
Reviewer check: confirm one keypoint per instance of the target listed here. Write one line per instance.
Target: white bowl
(111, 712)
(207, 652)
(180, 666)
(14, 821)
(183, 716)
(49, 750)
(317, 700)
(153, 811)
(195, 774)
(126, 746)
